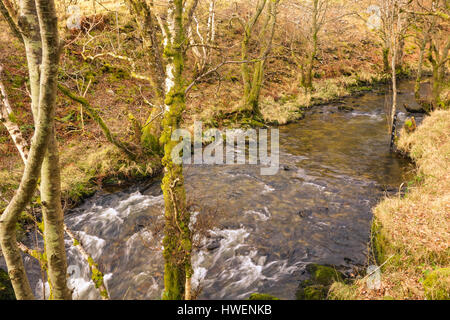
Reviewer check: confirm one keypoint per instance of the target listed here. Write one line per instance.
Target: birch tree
(392, 27)
(37, 23)
(177, 235)
(393, 19)
(202, 37)
(169, 88)
(150, 23)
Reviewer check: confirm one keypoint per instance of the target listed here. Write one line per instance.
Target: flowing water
(335, 166)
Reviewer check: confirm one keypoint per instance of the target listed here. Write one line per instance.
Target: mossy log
(97, 118)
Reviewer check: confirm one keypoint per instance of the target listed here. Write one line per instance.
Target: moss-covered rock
(262, 296)
(437, 284)
(314, 292)
(316, 288)
(410, 125)
(324, 275)
(6, 289)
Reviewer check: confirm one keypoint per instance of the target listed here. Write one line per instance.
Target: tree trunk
(419, 68)
(400, 53)
(52, 213)
(386, 67)
(258, 74)
(53, 217)
(312, 56)
(145, 18)
(394, 87)
(252, 85)
(96, 275)
(97, 118)
(439, 67)
(436, 87)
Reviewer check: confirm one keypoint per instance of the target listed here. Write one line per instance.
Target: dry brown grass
(422, 217)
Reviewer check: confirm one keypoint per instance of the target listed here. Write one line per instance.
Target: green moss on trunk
(177, 236)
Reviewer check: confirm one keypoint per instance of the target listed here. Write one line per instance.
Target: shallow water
(335, 166)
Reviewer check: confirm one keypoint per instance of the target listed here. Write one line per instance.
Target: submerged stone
(415, 108)
(345, 108)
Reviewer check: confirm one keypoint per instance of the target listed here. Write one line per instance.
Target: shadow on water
(335, 166)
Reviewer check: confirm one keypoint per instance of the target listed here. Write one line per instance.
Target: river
(335, 166)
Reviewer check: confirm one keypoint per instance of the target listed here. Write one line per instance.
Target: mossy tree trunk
(400, 52)
(30, 176)
(143, 12)
(52, 213)
(432, 19)
(438, 59)
(110, 136)
(386, 67)
(148, 20)
(418, 81)
(53, 218)
(307, 75)
(253, 83)
(249, 102)
(177, 236)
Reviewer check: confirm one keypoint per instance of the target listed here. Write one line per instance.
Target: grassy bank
(410, 234)
(290, 107)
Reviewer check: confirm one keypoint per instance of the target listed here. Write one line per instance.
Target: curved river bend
(335, 166)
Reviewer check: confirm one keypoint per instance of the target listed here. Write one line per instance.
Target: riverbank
(410, 235)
